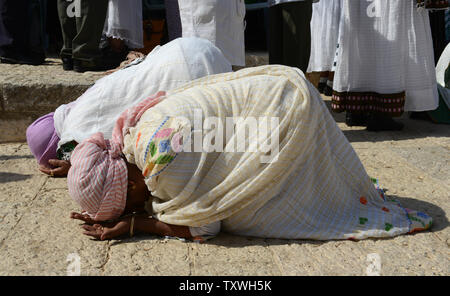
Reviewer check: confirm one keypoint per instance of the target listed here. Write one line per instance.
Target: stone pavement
(37, 237)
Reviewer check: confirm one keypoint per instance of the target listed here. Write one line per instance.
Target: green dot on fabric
(388, 226)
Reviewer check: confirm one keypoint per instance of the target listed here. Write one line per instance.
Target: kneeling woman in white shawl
(97, 110)
(310, 184)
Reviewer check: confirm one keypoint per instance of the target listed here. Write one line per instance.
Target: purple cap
(43, 140)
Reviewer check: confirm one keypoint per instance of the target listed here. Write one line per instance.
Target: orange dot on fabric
(363, 200)
(386, 210)
(138, 138)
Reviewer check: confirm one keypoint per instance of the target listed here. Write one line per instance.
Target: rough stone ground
(37, 235)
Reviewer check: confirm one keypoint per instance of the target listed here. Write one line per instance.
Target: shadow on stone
(409, 133)
(414, 129)
(11, 177)
(13, 157)
(440, 220)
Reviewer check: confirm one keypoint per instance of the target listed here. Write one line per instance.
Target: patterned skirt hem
(369, 102)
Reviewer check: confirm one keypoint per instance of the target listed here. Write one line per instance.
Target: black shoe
(354, 119)
(321, 87)
(328, 91)
(67, 64)
(112, 59)
(107, 61)
(420, 116)
(81, 66)
(380, 122)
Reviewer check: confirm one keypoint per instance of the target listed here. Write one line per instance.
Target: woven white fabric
(219, 21)
(276, 2)
(317, 187)
(324, 35)
(209, 230)
(124, 21)
(166, 67)
(442, 66)
(387, 52)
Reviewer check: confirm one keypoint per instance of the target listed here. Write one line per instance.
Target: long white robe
(324, 35)
(219, 21)
(124, 21)
(385, 46)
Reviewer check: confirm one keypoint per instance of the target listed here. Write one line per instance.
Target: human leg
(86, 43)
(275, 35)
(69, 31)
(16, 44)
(296, 18)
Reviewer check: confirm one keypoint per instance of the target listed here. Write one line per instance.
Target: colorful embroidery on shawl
(159, 153)
(414, 217)
(363, 220)
(378, 187)
(420, 221)
(138, 139)
(388, 226)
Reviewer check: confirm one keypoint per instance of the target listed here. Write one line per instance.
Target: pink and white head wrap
(98, 178)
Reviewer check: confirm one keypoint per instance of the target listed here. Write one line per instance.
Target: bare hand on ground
(61, 168)
(108, 230)
(102, 230)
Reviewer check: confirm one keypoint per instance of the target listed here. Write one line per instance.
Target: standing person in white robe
(324, 38)
(124, 27)
(219, 21)
(97, 110)
(385, 63)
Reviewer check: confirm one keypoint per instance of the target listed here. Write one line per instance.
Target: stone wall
(28, 92)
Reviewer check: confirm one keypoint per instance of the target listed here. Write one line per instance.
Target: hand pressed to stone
(61, 168)
(103, 230)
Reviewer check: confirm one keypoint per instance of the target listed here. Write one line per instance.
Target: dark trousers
(290, 34)
(437, 22)
(21, 29)
(82, 35)
(173, 19)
